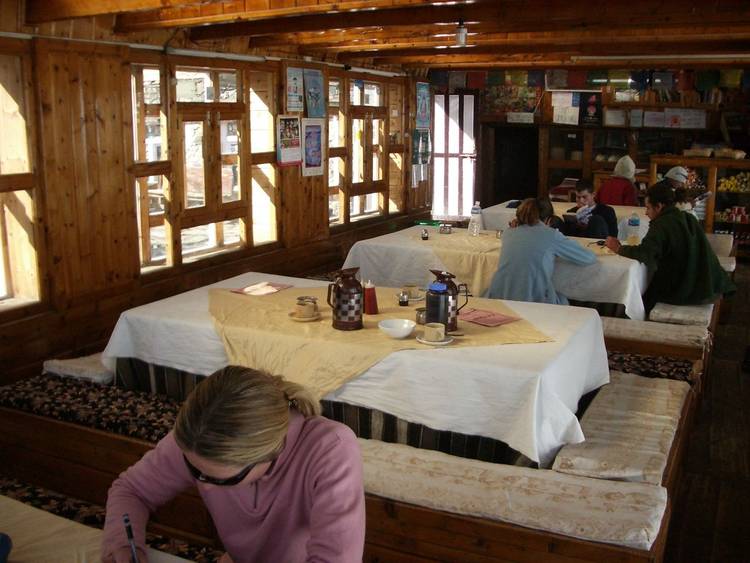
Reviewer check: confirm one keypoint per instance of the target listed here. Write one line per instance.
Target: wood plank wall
(86, 203)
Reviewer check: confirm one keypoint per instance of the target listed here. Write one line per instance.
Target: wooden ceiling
(414, 33)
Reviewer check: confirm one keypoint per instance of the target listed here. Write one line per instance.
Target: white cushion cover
(721, 244)
(729, 263)
(85, 367)
(648, 331)
(682, 314)
(627, 514)
(629, 429)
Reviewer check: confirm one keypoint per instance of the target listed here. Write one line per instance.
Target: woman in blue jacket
(527, 259)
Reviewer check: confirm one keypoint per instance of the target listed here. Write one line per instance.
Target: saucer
(315, 317)
(443, 342)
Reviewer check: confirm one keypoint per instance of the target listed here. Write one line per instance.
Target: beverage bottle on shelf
(475, 222)
(634, 229)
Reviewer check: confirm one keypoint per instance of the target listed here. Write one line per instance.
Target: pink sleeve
(337, 528)
(158, 477)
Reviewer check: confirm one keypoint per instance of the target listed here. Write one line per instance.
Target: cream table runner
(257, 332)
(473, 260)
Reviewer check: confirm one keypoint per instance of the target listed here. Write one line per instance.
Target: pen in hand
(131, 541)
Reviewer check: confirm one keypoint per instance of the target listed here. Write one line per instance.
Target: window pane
(264, 203)
(395, 183)
(195, 180)
(4, 285)
(454, 133)
(439, 123)
(227, 86)
(371, 203)
(194, 86)
(230, 162)
(156, 194)
(333, 130)
(372, 94)
(358, 151)
(230, 182)
(356, 88)
(153, 139)
(14, 144)
(334, 93)
(377, 149)
(438, 182)
(453, 204)
(158, 243)
(232, 232)
(335, 196)
(363, 207)
(151, 82)
(261, 112)
(395, 103)
(468, 124)
(467, 185)
(198, 239)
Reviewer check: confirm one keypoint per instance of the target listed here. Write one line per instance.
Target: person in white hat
(620, 188)
(677, 176)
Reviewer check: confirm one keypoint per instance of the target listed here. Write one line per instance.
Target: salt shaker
(371, 299)
(425, 234)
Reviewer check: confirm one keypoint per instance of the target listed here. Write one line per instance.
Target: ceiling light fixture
(461, 34)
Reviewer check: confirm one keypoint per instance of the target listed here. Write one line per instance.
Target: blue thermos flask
(437, 301)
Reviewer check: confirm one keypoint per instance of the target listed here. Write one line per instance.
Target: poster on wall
(294, 90)
(423, 105)
(313, 138)
(590, 108)
(314, 93)
(501, 99)
(289, 150)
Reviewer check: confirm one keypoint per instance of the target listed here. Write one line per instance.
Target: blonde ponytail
(240, 416)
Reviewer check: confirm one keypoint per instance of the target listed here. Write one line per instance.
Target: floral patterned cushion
(130, 413)
(649, 331)
(682, 314)
(629, 429)
(655, 366)
(627, 514)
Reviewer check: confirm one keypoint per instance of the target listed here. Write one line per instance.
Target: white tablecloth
(523, 394)
(497, 217)
(41, 537)
(398, 258)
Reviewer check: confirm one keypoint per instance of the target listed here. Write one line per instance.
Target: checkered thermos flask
(346, 298)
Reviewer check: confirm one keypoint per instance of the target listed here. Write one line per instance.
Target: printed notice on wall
(614, 117)
(565, 115)
(289, 151)
(520, 117)
(295, 96)
(313, 137)
(653, 119)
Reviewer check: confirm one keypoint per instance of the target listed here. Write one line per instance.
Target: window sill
(15, 308)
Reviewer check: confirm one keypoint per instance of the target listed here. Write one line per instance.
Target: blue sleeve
(571, 251)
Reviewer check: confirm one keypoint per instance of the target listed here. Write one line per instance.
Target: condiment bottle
(371, 299)
(425, 234)
(403, 299)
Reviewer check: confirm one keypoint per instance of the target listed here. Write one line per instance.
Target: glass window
(261, 112)
(194, 86)
(334, 93)
(151, 86)
(227, 86)
(356, 92)
(358, 151)
(372, 94)
(230, 161)
(335, 189)
(194, 173)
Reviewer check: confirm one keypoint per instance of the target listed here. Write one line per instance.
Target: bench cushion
(627, 514)
(699, 315)
(722, 244)
(691, 336)
(629, 429)
(87, 367)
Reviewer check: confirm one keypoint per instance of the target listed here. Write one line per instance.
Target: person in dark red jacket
(620, 188)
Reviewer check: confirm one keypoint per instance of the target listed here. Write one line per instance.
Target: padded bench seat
(697, 315)
(629, 427)
(625, 514)
(687, 336)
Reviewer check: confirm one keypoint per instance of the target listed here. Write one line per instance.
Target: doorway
(516, 163)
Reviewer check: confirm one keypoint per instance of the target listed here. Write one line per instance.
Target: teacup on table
(304, 309)
(434, 332)
(412, 290)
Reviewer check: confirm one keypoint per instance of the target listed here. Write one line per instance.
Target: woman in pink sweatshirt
(281, 483)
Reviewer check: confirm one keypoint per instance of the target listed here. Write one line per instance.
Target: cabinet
(717, 174)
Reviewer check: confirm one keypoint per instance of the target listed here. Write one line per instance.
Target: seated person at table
(528, 257)
(281, 483)
(592, 219)
(620, 188)
(547, 214)
(686, 270)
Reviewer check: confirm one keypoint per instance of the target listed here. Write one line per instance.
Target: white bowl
(397, 328)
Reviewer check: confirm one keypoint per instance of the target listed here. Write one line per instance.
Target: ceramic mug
(421, 315)
(434, 332)
(304, 309)
(412, 290)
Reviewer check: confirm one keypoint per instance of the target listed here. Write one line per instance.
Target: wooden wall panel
(86, 143)
(304, 206)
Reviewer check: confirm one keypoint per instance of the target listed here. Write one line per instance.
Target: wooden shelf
(702, 162)
(571, 164)
(662, 105)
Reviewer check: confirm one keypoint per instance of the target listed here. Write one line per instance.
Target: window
(454, 154)
(368, 139)
(19, 275)
(338, 157)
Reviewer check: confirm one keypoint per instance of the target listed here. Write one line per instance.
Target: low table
(525, 395)
(401, 258)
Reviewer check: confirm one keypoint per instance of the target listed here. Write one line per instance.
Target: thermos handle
(466, 295)
(328, 299)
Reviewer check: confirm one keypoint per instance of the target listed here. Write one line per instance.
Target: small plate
(294, 317)
(443, 342)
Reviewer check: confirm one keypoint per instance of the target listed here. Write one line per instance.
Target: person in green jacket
(677, 252)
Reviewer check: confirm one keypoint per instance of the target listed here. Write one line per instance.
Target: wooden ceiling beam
(271, 12)
(569, 63)
(42, 11)
(508, 16)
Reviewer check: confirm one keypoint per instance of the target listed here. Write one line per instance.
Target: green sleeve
(650, 250)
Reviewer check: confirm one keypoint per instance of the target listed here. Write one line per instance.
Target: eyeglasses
(228, 482)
